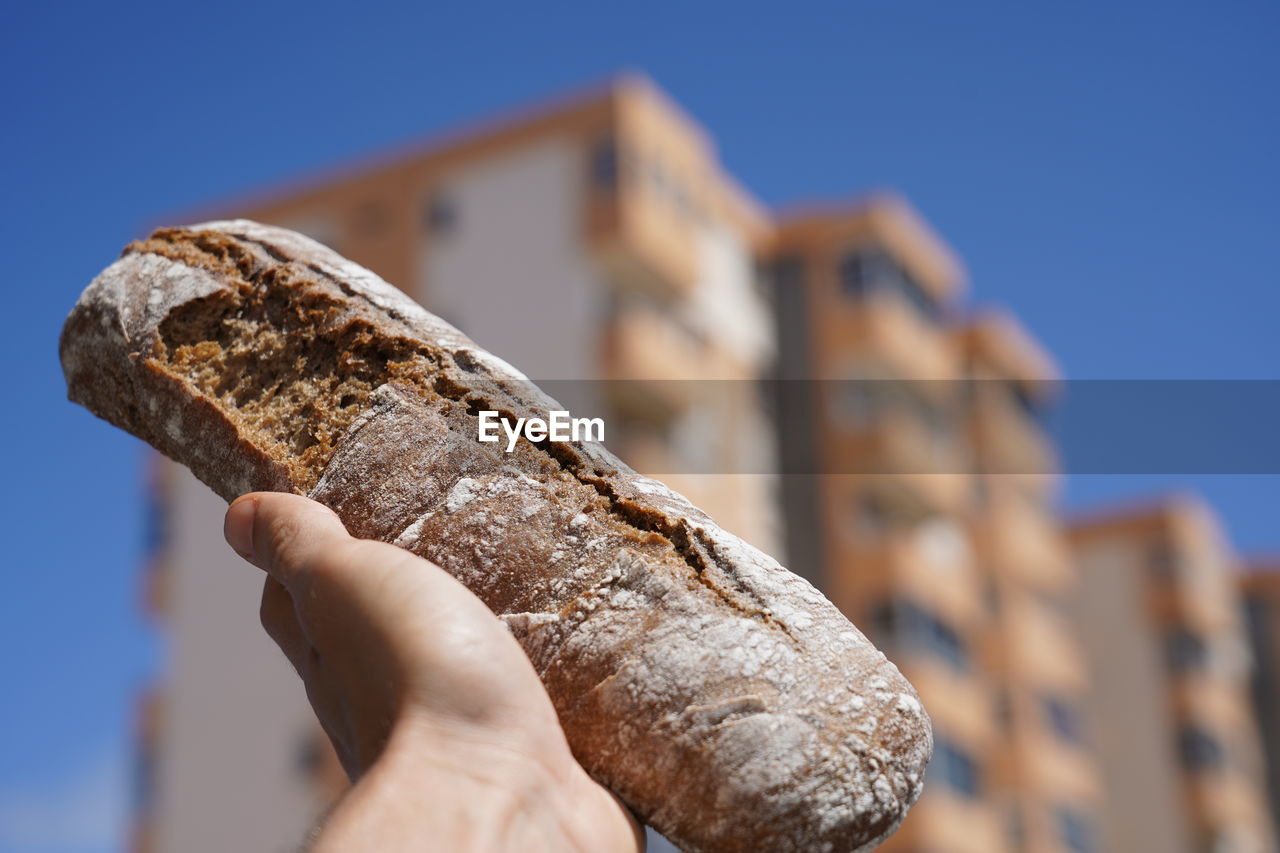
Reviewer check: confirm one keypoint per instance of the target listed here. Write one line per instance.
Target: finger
(282, 534)
(281, 623)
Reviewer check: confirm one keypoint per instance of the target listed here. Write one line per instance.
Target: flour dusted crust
(720, 696)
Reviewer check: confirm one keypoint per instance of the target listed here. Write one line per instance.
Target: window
(855, 275)
(604, 163)
(918, 296)
(1063, 718)
(1200, 750)
(1162, 559)
(919, 629)
(668, 185)
(1075, 830)
(868, 270)
(909, 624)
(864, 400)
(1185, 651)
(954, 768)
(442, 213)
(881, 624)
(1025, 401)
(871, 517)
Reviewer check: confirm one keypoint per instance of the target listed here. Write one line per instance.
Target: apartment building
(1170, 707)
(1260, 586)
(931, 523)
(1041, 774)
(874, 511)
(597, 244)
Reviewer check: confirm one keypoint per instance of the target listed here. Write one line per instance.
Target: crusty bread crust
(720, 696)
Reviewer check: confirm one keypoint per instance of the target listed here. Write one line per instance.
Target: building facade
(1042, 775)
(1170, 705)
(1260, 586)
(925, 513)
(815, 381)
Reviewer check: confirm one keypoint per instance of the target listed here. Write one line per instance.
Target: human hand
(436, 714)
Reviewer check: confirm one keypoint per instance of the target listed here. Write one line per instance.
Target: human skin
(438, 718)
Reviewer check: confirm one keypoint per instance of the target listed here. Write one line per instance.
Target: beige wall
(236, 726)
(1128, 705)
(511, 271)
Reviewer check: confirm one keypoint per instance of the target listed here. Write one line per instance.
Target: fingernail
(237, 528)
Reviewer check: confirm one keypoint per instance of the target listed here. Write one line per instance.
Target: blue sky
(1107, 170)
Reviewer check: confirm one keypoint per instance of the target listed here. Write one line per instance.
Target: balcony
(1043, 649)
(1021, 541)
(943, 821)
(883, 329)
(1216, 701)
(1231, 800)
(957, 702)
(1209, 606)
(896, 445)
(650, 360)
(1007, 437)
(1059, 771)
(640, 226)
(911, 590)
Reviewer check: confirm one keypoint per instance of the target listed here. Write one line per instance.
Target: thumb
(281, 533)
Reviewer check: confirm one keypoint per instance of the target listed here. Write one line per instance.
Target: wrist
(464, 788)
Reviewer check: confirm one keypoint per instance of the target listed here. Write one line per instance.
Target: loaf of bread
(724, 699)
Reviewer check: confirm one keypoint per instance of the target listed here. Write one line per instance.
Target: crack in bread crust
(292, 366)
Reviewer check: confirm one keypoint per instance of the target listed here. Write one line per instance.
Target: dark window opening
(1026, 402)
(1063, 718)
(910, 626)
(1185, 651)
(955, 768)
(442, 213)
(1200, 750)
(880, 625)
(1076, 831)
(869, 270)
(604, 163)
